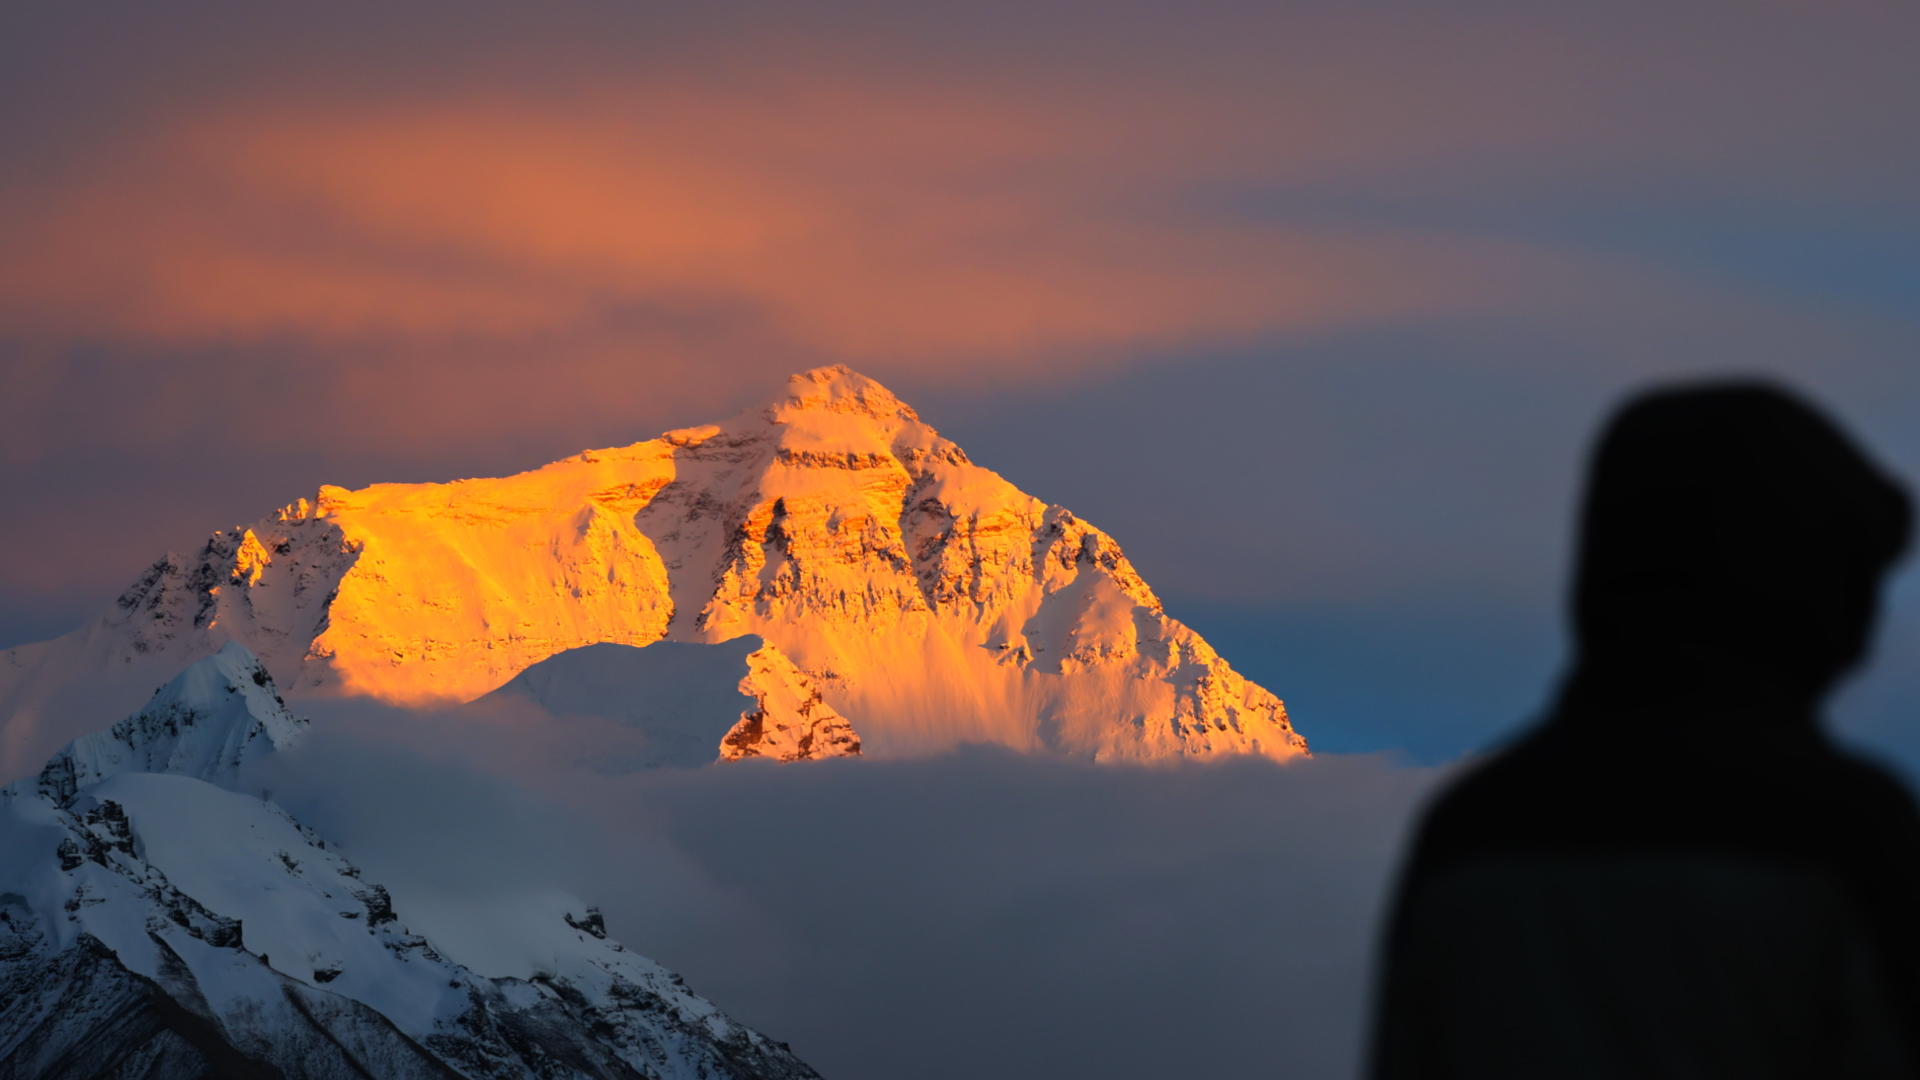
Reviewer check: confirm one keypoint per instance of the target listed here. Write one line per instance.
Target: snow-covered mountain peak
(219, 714)
(829, 417)
(926, 599)
(839, 389)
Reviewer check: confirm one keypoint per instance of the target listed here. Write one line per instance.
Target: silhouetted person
(1676, 874)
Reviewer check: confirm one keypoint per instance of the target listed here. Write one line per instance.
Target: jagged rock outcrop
(925, 597)
(158, 925)
(789, 720)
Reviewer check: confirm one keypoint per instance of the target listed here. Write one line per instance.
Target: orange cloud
(1012, 187)
(546, 249)
(850, 224)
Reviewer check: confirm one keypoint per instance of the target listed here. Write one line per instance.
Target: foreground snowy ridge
(214, 717)
(929, 601)
(155, 924)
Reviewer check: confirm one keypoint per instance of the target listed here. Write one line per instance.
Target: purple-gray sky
(1313, 306)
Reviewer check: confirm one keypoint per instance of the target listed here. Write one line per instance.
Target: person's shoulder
(1488, 784)
(1869, 785)
(1504, 797)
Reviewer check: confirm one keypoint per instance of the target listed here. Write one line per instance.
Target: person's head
(1732, 539)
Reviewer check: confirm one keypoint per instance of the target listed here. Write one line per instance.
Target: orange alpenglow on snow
(924, 598)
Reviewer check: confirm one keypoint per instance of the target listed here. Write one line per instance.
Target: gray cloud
(976, 914)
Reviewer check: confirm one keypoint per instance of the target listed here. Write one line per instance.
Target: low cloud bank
(977, 914)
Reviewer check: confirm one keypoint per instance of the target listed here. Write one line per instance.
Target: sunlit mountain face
(923, 597)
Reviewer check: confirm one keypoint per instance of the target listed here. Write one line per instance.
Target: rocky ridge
(214, 717)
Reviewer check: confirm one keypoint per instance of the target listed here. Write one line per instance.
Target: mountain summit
(926, 599)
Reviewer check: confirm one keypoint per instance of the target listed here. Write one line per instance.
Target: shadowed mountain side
(687, 704)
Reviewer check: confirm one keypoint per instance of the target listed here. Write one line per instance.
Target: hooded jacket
(1676, 873)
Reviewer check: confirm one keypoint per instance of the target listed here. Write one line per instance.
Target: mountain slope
(214, 717)
(159, 925)
(929, 600)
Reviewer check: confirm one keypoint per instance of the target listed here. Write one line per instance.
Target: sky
(1314, 307)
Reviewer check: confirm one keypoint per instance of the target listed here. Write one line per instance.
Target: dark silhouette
(1676, 874)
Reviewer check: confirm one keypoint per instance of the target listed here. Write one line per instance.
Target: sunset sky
(1313, 307)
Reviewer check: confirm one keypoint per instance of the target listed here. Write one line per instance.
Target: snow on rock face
(154, 924)
(269, 587)
(789, 721)
(214, 717)
(693, 703)
(921, 594)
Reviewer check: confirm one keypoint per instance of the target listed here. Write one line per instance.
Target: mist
(980, 913)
